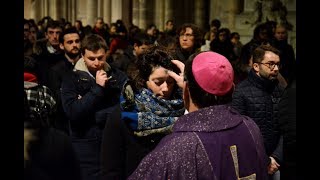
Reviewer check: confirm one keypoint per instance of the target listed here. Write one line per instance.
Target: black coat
(88, 106)
(55, 75)
(52, 157)
(287, 127)
(258, 98)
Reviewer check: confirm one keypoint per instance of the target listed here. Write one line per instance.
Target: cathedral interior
(238, 15)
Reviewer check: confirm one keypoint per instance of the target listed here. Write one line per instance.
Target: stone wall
(237, 15)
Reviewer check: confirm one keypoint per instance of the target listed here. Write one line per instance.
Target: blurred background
(238, 15)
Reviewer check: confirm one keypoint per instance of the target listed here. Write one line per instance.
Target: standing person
(261, 35)
(287, 55)
(27, 43)
(170, 29)
(48, 152)
(78, 25)
(215, 25)
(40, 98)
(222, 45)
(151, 32)
(89, 94)
(189, 41)
(70, 44)
(100, 28)
(128, 59)
(148, 114)
(47, 50)
(212, 141)
(287, 127)
(237, 44)
(258, 97)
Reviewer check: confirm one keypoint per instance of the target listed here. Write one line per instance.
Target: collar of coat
(81, 66)
(209, 119)
(262, 83)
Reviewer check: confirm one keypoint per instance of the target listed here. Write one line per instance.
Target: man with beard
(258, 97)
(69, 42)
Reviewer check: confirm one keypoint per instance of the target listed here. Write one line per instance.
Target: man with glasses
(258, 97)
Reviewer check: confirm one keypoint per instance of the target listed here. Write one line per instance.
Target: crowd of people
(118, 102)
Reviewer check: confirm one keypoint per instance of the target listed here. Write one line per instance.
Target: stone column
(107, 11)
(91, 12)
(213, 10)
(27, 9)
(44, 8)
(116, 13)
(142, 14)
(100, 8)
(233, 9)
(72, 11)
(126, 12)
(53, 8)
(35, 10)
(61, 9)
(199, 13)
(168, 10)
(159, 14)
(135, 12)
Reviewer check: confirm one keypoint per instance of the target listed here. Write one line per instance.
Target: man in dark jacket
(212, 141)
(47, 51)
(287, 56)
(70, 44)
(88, 96)
(258, 97)
(287, 127)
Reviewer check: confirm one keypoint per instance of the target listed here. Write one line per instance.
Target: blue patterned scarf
(155, 113)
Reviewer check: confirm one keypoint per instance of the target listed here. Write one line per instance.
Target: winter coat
(287, 127)
(88, 105)
(52, 157)
(55, 75)
(258, 98)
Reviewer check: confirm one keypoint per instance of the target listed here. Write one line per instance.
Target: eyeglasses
(186, 35)
(271, 65)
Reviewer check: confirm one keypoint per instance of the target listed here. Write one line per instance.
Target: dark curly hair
(196, 31)
(155, 56)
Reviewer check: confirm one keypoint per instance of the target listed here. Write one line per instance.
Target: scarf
(155, 114)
